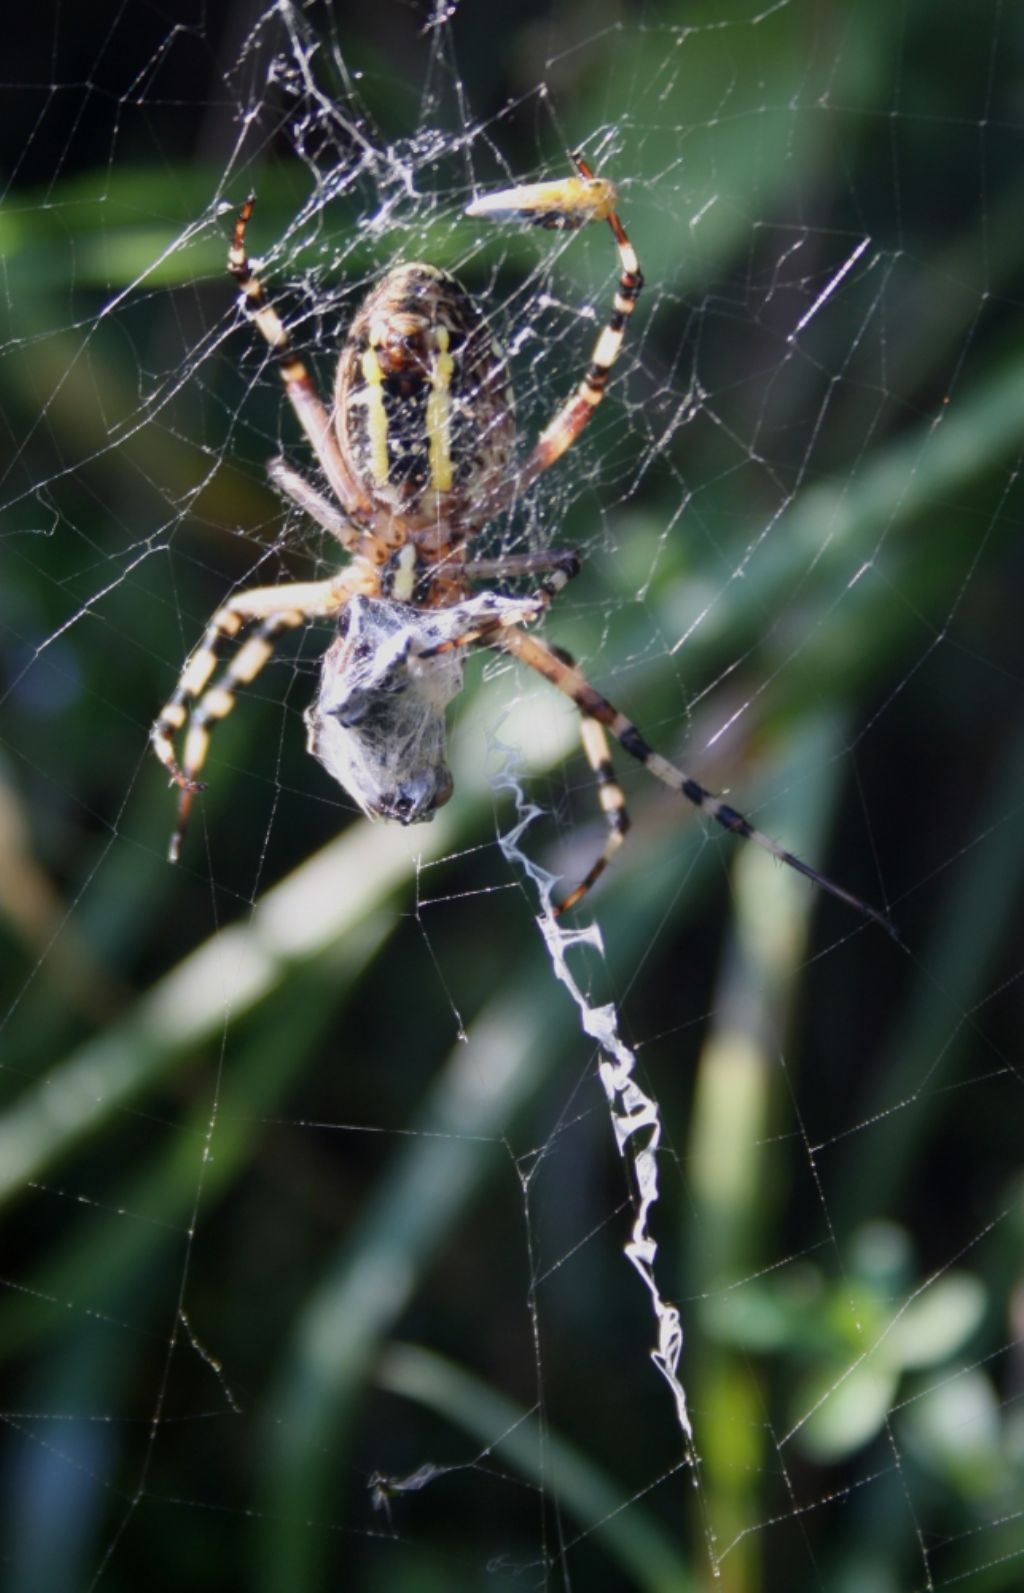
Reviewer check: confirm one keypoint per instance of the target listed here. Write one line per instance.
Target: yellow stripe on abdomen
(439, 413)
(376, 417)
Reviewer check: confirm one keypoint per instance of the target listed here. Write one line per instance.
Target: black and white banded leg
(560, 672)
(195, 705)
(572, 203)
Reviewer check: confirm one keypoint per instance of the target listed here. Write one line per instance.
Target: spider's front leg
(599, 712)
(195, 705)
(569, 204)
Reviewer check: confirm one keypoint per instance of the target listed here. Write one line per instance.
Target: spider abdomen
(423, 406)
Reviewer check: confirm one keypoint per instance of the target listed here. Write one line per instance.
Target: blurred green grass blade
(737, 1190)
(512, 1437)
(132, 228)
(853, 581)
(118, 1265)
(330, 895)
(747, 141)
(936, 1042)
(114, 1252)
(894, 524)
(57, 1448)
(739, 1076)
(917, 477)
(420, 1195)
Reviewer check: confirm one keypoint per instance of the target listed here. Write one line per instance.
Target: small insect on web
(418, 451)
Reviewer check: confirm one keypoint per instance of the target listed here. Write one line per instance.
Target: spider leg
(326, 514)
(298, 383)
(568, 204)
(563, 429)
(609, 794)
(485, 625)
(570, 680)
(195, 705)
(516, 564)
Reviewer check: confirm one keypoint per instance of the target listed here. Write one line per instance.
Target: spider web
(314, 1214)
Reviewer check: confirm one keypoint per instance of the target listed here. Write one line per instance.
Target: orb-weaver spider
(418, 452)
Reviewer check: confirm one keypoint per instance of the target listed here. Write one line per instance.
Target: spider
(418, 453)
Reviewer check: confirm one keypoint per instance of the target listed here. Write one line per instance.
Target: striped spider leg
(599, 716)
(568, 205)
(196, 705)
(298, 383)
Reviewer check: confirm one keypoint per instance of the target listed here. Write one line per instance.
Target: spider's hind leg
(570, 680)
(609, 793)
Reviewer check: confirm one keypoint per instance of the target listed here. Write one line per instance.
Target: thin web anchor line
(830, 288)
(635, 1115)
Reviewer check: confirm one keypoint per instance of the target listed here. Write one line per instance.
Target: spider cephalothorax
(418, 454)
